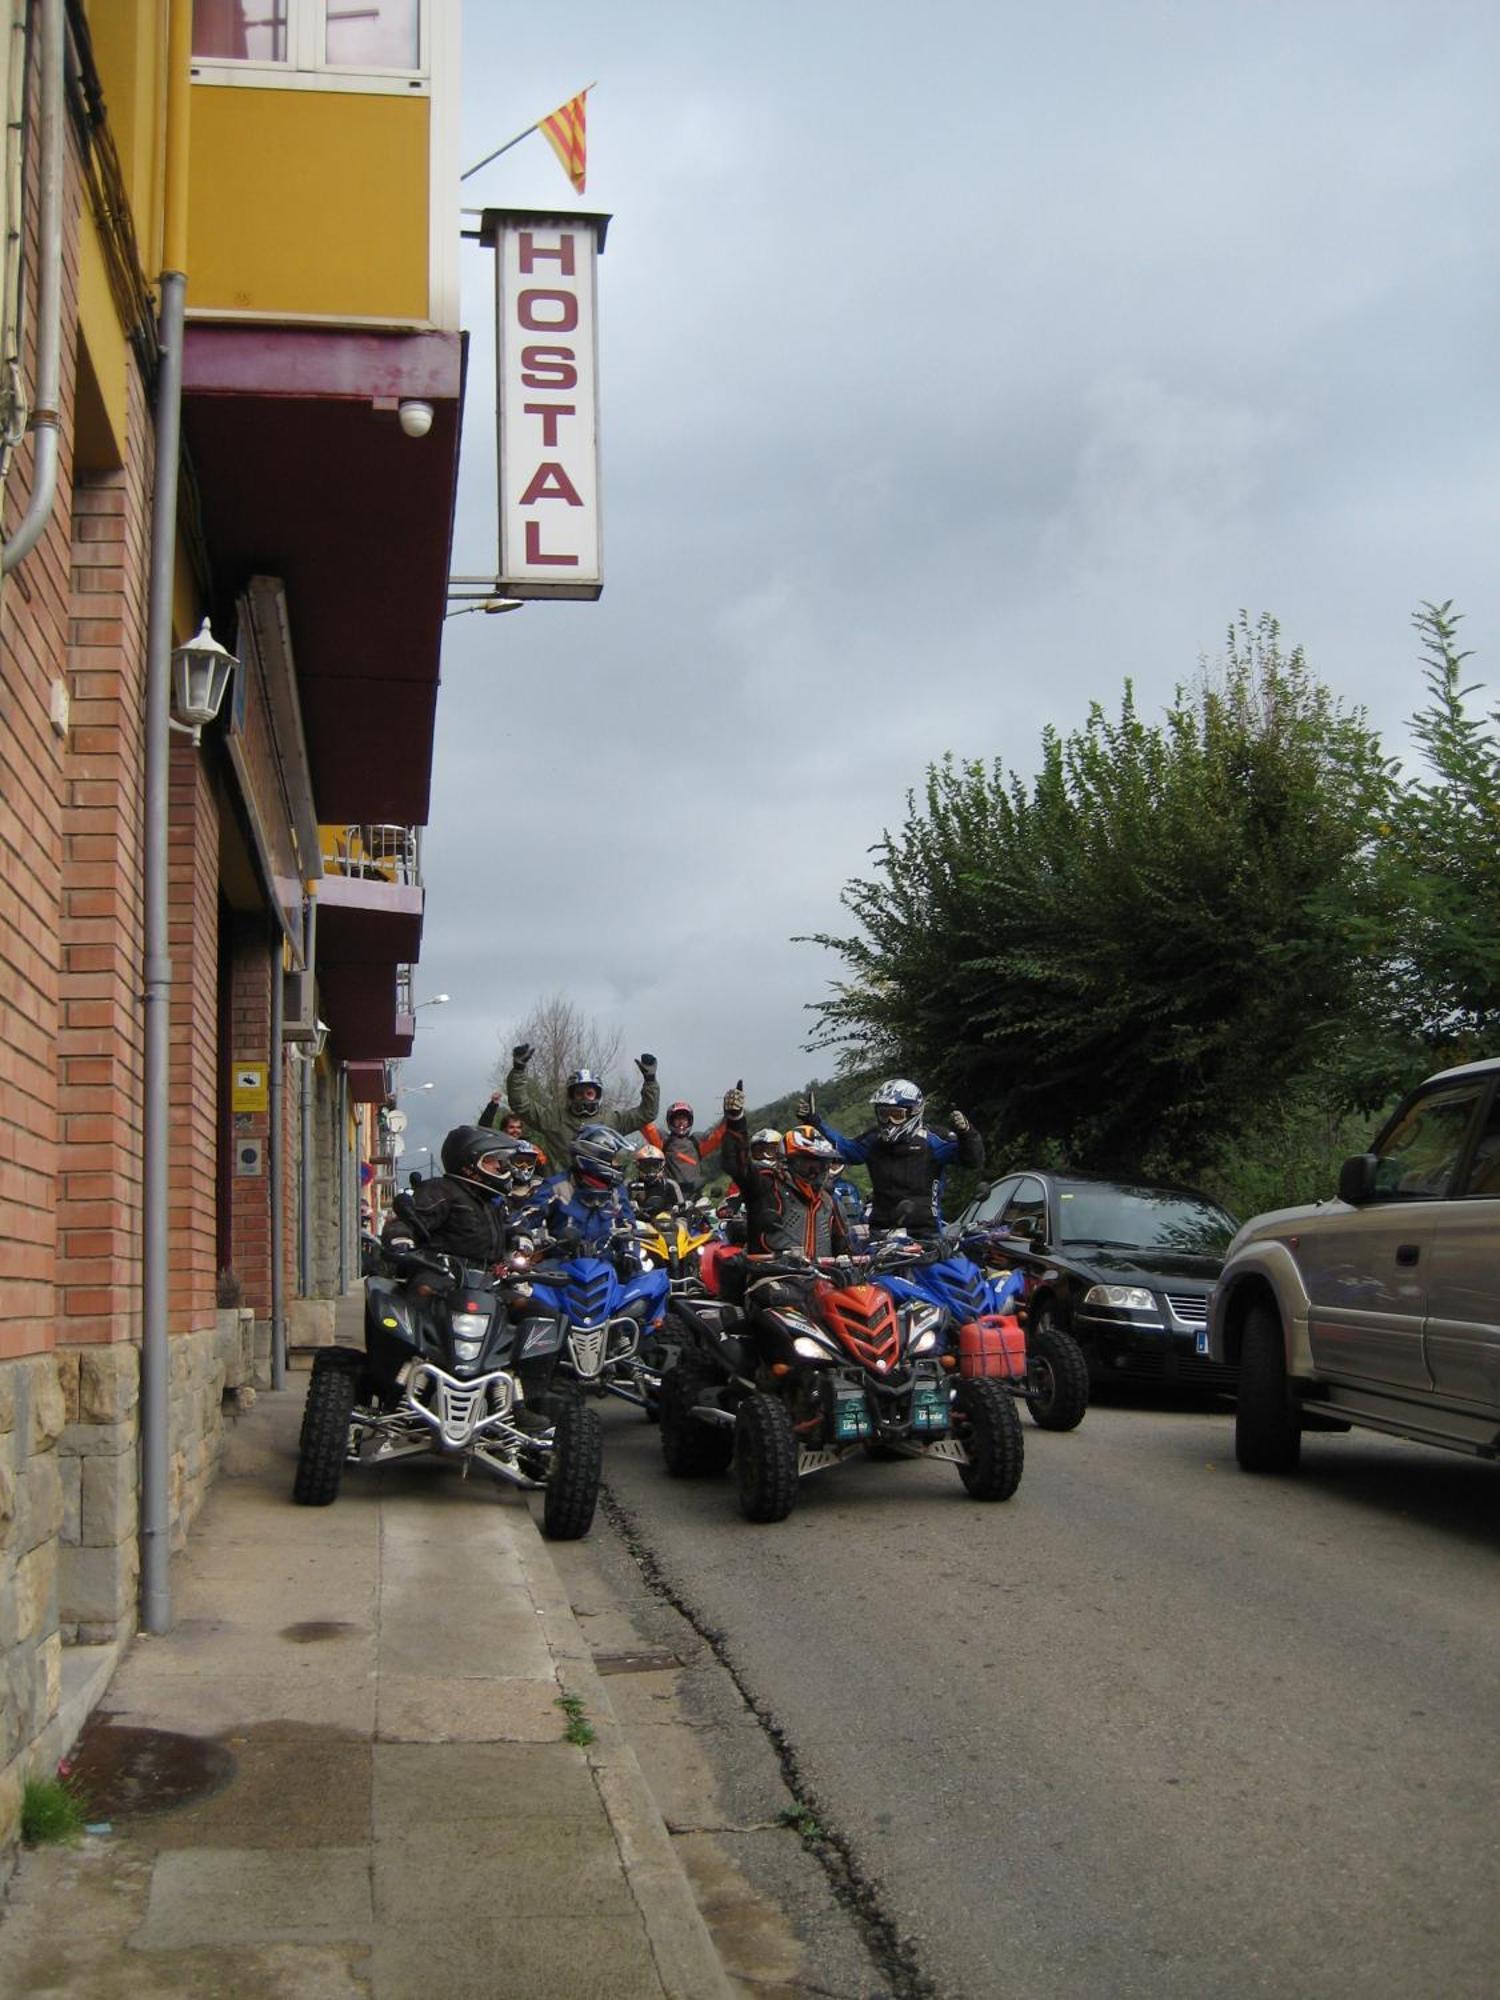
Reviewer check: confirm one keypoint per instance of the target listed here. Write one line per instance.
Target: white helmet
(898, 1107)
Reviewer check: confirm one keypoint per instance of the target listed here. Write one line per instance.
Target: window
(992, 1203)
(298, 37)
(1026, 1214)
(1421, 1150)
(1484, 1171)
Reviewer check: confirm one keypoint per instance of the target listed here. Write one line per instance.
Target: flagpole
(469, 175)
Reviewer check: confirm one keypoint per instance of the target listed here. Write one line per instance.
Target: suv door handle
(1408, 1253)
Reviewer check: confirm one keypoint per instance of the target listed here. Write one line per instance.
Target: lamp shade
(200, 678)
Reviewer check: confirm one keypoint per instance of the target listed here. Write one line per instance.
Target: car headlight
(1123, 1298)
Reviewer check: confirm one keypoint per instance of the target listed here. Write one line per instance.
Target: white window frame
(304, 69)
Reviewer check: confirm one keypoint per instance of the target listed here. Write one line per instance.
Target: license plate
(1200, 1342)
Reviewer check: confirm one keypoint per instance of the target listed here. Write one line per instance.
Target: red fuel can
(994, 1346)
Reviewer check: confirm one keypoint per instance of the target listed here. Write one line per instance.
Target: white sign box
(547, 400)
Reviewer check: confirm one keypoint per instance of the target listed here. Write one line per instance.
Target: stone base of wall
(309, 1322)
(33, 1412)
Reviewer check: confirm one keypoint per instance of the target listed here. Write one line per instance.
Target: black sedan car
(1126, 1269)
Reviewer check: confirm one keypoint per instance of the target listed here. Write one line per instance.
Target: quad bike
(1056, 1383)
(606, 1313)
(447, 1370)
(825, 1365)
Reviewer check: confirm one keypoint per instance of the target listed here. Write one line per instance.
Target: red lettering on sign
(531, 250)
(548, 368)
(534, 548)
(549, 414)
(529, 304)
(550, 482)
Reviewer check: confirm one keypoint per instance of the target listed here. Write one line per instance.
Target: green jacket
(556, 1138)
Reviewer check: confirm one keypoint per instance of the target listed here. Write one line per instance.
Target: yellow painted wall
(100, 335)
(129, 38)
(308, 201)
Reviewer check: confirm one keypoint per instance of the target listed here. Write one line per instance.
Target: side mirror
(1357, 1179)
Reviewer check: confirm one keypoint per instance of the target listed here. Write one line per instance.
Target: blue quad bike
(608, 1320)
(448, 1370)
(1056, 1385)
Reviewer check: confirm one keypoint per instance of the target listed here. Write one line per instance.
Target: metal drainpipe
(309, 1065)
(343, 1148)
(156, 1357)
(276, 1162)
(44, 414)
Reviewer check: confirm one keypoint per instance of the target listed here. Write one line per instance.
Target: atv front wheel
(323, 1446)
(573, 1475)
(988, 1425)
(765, 1458)
(1059, 1373)
(691, 1449)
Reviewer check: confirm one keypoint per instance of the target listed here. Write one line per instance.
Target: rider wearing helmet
(787, 1203)
(651, 1191)
(463, 1210)
(906, 1161)
(688, 1153)
(583, 1103)
(589, 1200)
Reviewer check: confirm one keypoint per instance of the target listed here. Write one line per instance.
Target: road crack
(892, 1954)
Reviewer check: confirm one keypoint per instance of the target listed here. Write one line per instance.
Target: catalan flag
(566, 135)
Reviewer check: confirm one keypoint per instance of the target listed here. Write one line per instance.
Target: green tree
(1442, 855)
(1129, 957)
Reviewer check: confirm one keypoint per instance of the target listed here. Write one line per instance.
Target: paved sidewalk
(381, 1799)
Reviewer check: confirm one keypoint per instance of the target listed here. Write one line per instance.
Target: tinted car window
(990, 1205)
(1137, 1219)
(1026, 1212)
(1484, 1170)
(1418, 1155)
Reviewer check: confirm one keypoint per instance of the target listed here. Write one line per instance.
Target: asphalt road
(1152, 1727)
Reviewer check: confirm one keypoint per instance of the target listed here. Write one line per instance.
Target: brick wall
(193, 930)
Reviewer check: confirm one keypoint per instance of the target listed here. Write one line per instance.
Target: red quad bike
(829, 1365)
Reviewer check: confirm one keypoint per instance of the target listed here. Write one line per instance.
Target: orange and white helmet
(809, 1156)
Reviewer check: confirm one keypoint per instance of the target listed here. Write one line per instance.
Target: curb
(687, 1961)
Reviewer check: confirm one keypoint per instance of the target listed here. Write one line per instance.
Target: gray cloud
(954, 367)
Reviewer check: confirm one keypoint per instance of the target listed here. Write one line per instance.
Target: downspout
(44, 414)
(309, 1066)
(156, 1358)
(344, 1202)
(276, 1159)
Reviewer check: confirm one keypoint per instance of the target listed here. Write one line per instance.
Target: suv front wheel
(1267, 1429)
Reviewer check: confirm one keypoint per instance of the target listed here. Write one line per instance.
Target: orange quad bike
(823, 1365)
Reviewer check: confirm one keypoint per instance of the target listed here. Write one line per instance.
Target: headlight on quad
(924, 1329)
(810, 1350)
(468, 1325)
(467, 1350)
(1121, 1298)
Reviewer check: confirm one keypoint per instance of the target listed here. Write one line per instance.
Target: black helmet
(481, 1158)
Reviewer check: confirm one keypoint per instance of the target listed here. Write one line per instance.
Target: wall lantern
(201, 672)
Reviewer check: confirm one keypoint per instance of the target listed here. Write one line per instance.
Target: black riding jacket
(447, 1214)
(907, 1168)
(780, 1214)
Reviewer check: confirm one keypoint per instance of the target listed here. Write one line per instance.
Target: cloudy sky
(956, 362)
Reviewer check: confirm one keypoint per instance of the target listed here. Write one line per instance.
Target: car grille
(1191, 1307)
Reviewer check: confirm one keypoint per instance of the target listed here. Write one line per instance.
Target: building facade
(294, 165)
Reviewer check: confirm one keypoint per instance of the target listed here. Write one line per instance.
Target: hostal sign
(547, 397)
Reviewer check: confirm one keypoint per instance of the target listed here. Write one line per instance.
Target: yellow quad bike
(674, 1242)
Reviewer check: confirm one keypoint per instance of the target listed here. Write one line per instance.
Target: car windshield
(1138, 1219)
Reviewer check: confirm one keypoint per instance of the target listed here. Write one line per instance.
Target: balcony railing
(374, 853)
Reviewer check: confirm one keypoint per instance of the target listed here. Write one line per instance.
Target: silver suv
(1381, 1308)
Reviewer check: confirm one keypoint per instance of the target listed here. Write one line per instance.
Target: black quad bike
(829, 1366)
(447, 1370)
